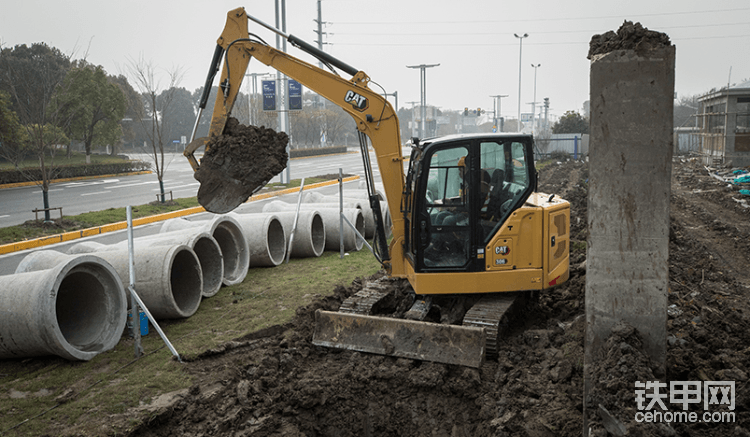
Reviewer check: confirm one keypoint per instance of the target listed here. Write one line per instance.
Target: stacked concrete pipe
(266, 239)
(331, 221)
(205, 246)
(228, 233)
(168, 279)
(309, 237)
(74, 308)
(360, 200)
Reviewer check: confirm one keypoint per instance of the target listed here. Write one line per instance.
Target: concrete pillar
(632, 92)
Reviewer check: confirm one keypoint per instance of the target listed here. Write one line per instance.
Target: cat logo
(359, 102)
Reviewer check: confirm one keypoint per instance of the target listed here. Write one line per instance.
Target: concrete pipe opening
(185, 282)
(76, 309)
(359, 224)
(276, 242)
(317, 234)
(233, 251)
(209, 256)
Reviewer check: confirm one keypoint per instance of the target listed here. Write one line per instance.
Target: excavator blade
(449, 344)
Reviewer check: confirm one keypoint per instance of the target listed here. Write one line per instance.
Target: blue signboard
(269, 95)
(295, 95)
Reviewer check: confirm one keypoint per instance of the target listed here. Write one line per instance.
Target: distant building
(725, 125)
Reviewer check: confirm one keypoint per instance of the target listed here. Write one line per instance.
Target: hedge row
(73, 171)
(301, 153)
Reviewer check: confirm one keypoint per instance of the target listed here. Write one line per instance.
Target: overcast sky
(472, 40)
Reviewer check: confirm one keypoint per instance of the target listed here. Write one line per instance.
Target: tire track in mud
(704, 209)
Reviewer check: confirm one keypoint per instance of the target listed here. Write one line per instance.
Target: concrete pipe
(279, 206)
(228, 233)
(310, 235)
(360, 194)
(361, 203)
(167, 278)
(330, 218)
(87, 247)
(331, 222)
(74, 309)
(205, 246)
(266, 239)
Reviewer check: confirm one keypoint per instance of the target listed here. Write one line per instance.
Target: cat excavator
(470, 233)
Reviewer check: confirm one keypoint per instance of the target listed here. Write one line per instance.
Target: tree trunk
(161, 186)
(45, 199)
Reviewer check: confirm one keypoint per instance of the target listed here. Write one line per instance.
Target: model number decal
(356, 100)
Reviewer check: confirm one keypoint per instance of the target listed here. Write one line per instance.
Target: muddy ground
(275, 383)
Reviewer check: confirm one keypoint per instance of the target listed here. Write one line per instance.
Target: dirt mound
(628, 37)
(276, 382)
(238, 163)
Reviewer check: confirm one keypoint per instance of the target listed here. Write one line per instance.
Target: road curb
(79, 178)
(73, 235)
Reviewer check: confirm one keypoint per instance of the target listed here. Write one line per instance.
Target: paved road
(16, 204)
(116, 192)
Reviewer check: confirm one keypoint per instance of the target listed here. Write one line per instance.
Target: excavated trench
(275, 382)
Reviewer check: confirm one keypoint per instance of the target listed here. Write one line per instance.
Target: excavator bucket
(449, 344)
(238, 163)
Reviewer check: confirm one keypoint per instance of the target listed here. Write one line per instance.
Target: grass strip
(50, 396)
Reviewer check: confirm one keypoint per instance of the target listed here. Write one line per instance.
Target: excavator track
(363, 301)
(491, 314)
(356, 327)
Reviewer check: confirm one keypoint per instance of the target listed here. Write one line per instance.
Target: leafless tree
(156, 101)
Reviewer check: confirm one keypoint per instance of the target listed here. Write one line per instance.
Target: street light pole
(423, 92)
(498, 114)
(520, 53)
(533, 102)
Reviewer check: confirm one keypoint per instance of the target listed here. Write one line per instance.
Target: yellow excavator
(469, 231)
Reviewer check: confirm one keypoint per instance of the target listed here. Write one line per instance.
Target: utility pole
(533, 102)
(520, 53)
(423, 92)
(320, 102)
(496, 108)
(281, 80)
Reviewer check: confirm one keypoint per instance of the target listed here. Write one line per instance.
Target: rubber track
(489, 314)
(362, 301)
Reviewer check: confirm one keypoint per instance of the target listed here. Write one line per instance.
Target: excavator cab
(464, 188)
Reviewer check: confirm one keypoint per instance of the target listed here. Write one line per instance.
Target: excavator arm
(374, 116)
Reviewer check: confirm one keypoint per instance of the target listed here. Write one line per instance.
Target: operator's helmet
(462, 165)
